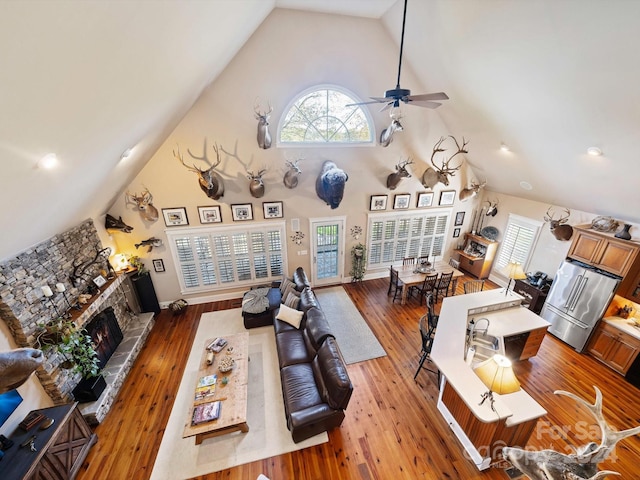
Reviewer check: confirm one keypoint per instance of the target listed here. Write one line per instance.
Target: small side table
(535, 296)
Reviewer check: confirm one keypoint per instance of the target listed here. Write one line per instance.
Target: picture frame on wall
(158, 265)
(210, 214)
(241, 212)
(272, 209)
(459, 219)
(174, 217)
(378, 202)
(447, 197)
(425, 199)
(401, 201)
(456, 232)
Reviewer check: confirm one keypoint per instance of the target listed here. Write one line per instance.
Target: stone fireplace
(106, 334)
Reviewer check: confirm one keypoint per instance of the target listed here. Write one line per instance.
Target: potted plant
(358, 262)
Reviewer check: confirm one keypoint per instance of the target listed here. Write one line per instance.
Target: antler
(548, 218)
(404, 163)
(256, 107)
(178, 155)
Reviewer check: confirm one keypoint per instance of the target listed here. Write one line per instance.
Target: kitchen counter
(624, 324)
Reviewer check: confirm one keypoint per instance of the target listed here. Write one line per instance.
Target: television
(9, 401)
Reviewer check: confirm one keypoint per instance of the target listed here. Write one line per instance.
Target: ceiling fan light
(48, 162)
(594, 151)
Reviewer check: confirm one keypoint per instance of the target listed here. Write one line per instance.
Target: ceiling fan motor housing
(397, 93)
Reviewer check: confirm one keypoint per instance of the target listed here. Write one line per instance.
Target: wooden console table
(60, 449)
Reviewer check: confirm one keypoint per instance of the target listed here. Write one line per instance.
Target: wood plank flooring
(392, 427)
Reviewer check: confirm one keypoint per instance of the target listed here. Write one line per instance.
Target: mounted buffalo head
(17, 365)
(330, 183)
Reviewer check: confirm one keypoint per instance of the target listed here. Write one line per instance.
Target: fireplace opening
(105, 333)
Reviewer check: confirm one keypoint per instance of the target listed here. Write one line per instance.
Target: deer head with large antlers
(256, 186)
(582, 465)
(264, 137)
(556, 226)
(401, 172)
(441, 174)
(210, 181)
(144, 203)
(386, 136)
(290, 179)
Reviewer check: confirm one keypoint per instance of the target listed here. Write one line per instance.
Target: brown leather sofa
(315, 384)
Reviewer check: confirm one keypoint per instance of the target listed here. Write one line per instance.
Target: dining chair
(395, 283)
(473, 286)
(442, 285)
(426, 288)
(409, 261)
(424, 258)
(427, 325)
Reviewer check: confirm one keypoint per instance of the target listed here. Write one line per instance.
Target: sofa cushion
(331, 375)
(316, 329)
(299, 387)
(290, 315)
(292, 348)
(285, 282)
(307, 300)
(300, 279)
(292, 300)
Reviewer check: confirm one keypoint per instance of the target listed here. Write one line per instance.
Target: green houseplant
(358, 262)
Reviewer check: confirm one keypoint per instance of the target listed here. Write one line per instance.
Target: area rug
(268, 435)
(355, 339)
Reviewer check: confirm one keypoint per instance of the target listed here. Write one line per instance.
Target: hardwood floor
(392, 427)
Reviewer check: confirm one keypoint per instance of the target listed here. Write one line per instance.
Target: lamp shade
(513, 270)
(496, 373)
(120, 262)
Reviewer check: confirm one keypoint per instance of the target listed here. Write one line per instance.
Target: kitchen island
(481, 429)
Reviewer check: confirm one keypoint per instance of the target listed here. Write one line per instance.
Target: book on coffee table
(206, 412)
(206, 388)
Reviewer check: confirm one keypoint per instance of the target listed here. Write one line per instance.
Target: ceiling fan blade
(365, 103)
(386, 107)
(423, 103)
(428, 96)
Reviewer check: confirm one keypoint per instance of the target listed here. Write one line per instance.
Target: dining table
(410, 276)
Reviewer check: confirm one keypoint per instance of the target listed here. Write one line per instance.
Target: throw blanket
(256, 301)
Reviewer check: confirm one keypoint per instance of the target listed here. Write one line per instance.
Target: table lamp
(513, 270)
(497, 374)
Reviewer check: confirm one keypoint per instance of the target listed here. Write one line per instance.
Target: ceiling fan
(393, 97)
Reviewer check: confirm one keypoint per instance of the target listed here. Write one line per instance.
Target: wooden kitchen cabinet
(604, 251)
(534, 296)
(613, 347)
(533, 343)
(477, 255)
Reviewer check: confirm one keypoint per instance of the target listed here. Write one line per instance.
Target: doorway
(327, 250)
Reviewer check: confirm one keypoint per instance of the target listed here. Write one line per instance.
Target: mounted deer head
(435, 175)
(386, 136)
(256, 186)
(264, 137)
(144, 203)
(558, 229)
(468, 192)
(492, 209)
(582, 465)
(290, 179)
(210, 181)
(401, 172)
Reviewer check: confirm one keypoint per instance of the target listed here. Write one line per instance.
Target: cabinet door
(585, 246)
(601, 344)
(622, 355)
(616, 257)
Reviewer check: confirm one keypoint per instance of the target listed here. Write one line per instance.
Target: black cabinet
(534, 296)
(146, 294)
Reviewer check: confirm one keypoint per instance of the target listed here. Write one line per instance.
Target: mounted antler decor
(401, 172)
(468, 192)
(290, 179)
(210, 181)
(386, 136)
(558, 229)
(435, 175)
(264, 137)
(256, 185)
(144, 203)
(582, 465)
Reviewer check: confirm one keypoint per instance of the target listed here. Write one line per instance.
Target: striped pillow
(292, 300)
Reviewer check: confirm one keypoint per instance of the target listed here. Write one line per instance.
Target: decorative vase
(624, 233)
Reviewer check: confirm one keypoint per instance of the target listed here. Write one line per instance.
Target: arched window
(320, 116)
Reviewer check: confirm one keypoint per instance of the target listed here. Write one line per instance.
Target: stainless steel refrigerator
(578, 298)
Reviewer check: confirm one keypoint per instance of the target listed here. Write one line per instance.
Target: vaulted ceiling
(89, 80)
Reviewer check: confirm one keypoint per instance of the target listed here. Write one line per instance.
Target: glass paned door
(328, 250)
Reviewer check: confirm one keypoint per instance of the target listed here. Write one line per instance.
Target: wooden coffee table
(233, 411)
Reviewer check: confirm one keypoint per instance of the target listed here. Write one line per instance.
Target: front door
(327, 259)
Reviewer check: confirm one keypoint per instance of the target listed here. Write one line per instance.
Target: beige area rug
(355, 339)
(268, 435)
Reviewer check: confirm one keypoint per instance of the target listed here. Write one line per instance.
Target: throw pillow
(290, 288)
(291, 316)
(292, 300)
(283, 285)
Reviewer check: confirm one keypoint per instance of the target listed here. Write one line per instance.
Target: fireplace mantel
(93, 306)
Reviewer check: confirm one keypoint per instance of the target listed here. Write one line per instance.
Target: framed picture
(210, 214)
(158, 265)
(175, 216)
(401, 201)
(425, 199)
(242, 211)
(99, 281)
(456, 232)
(459, 219)
(272, 209)
(378, 202)
(447, 197)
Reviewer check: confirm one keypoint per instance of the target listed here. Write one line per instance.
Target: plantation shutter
(517, 242)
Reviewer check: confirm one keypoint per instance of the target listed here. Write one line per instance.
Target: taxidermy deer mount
(582, 465)
(441, 174)
(386, 136)
(557, 227)
(492, 209)
(401, 172)
(290, 178)
(144, 203)
(468, 192)
(256, 184)
(264, 137)
(210, 181)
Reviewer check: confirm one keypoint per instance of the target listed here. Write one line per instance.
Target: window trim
(326, 86)
(174, 233)
(536, 225)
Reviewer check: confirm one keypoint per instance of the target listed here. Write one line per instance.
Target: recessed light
(125, 154)
(594, 151)
(526, 185)
(504, 147)
(48, 162)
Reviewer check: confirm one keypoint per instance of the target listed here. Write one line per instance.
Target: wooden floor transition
(392, 429)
